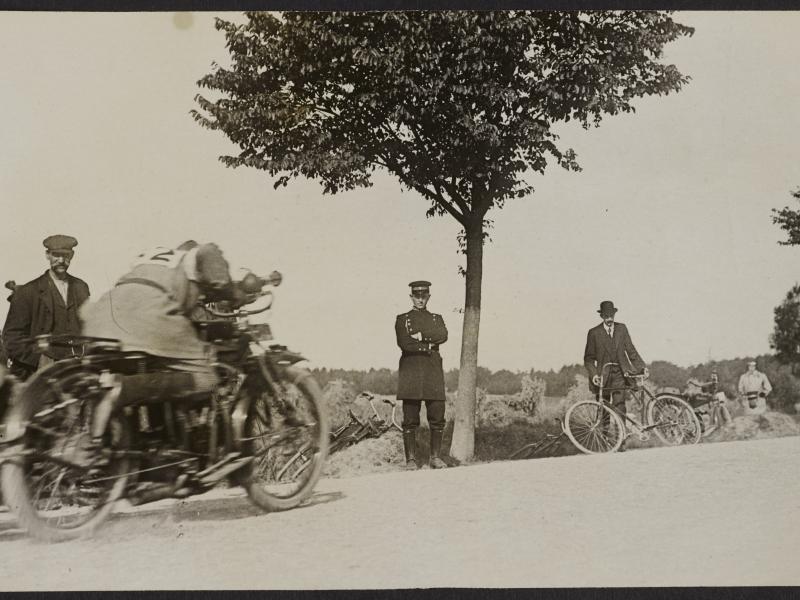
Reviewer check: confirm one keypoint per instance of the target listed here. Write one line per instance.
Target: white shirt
(609, 329)
(62, 285)
(754, 382)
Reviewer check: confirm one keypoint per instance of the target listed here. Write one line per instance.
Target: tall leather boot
(436, 449)
(410, 448)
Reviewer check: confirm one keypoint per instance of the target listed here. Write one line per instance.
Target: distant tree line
(786, 386)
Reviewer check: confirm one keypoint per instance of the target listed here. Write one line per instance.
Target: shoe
(410, 449)
(436, 461)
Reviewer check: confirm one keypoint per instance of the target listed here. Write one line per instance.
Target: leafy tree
(458, 106)
(785, 339)
(788, 220)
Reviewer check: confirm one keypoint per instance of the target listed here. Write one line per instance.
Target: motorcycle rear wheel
(287, 456)
(53, 501)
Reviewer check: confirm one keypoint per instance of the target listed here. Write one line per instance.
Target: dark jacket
(420, 375)
(602, 349)
(32, 312)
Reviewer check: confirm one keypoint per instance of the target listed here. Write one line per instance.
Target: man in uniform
(46, 305)
(420, 376)
(149, 310)
(610, 342)
(754, 387)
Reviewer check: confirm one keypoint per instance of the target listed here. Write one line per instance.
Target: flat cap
(63, 243)
(419, 285)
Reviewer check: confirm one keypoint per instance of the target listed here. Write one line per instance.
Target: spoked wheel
(673, 420)
(51, 486)
(593, 427)
(288, 439)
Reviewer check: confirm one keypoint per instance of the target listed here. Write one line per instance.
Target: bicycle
(352, 432)
(546, 445)
(594, 427)
(356, 430)
(710, 407)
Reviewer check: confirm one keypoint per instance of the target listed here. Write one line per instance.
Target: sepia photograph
(399, 299)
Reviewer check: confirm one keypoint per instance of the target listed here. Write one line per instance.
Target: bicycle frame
(638, 391)
(356, 430)
(548, 443)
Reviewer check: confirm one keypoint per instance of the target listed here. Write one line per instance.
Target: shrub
(530, 396)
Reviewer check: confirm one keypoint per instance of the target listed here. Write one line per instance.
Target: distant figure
(707, 393)
(46, 305)
(610, 342)
(754, 387)
(420, 375)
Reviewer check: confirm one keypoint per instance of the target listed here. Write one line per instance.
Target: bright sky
(670, 217)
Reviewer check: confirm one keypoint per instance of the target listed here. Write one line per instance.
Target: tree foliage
(785, 339)
(457, 105)
(788, 220)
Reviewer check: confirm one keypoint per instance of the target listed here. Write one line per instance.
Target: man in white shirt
(754, 387)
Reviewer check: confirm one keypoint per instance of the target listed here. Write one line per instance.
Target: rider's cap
(420, 286)
(751, 362)
(607, 308)
(60, 243)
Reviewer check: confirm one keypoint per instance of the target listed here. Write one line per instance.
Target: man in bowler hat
(46, 305)
(420, 376)
(610, 342)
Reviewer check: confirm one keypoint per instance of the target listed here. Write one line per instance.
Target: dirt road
(713, 514)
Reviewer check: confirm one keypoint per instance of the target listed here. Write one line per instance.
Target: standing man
(420, 377)
(755, 387)
(610, 342)
(46, 305)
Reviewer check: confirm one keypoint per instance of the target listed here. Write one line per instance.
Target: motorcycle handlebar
(251, 284)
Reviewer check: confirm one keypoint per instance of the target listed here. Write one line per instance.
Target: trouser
(179, 379)
(434, 410)
(616, 398)
(20, 370)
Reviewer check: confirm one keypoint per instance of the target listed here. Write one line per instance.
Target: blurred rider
(148, 310)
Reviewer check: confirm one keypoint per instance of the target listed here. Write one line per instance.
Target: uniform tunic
(420, 375)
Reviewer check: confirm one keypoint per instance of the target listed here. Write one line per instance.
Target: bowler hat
(607, 308)
(60, 243)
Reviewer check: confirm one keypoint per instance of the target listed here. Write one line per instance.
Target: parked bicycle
(545, 446)
(356, 430)
(352, 432)
(594, 427)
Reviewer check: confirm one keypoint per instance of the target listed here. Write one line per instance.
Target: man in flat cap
(46, 305)
(610, 342)
(420, 377)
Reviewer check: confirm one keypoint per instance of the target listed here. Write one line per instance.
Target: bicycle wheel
(673, 420)
(593, 427)
(288, 452)
(53, 500)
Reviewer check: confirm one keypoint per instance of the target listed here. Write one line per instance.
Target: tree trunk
(463, 445)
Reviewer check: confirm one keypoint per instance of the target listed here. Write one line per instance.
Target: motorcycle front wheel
(287, 436)
(53, 498)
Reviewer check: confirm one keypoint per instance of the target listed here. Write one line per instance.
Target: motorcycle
(265, 410)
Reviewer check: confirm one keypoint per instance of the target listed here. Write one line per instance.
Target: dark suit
(601, 349)
(37, 308)
(420, 374)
